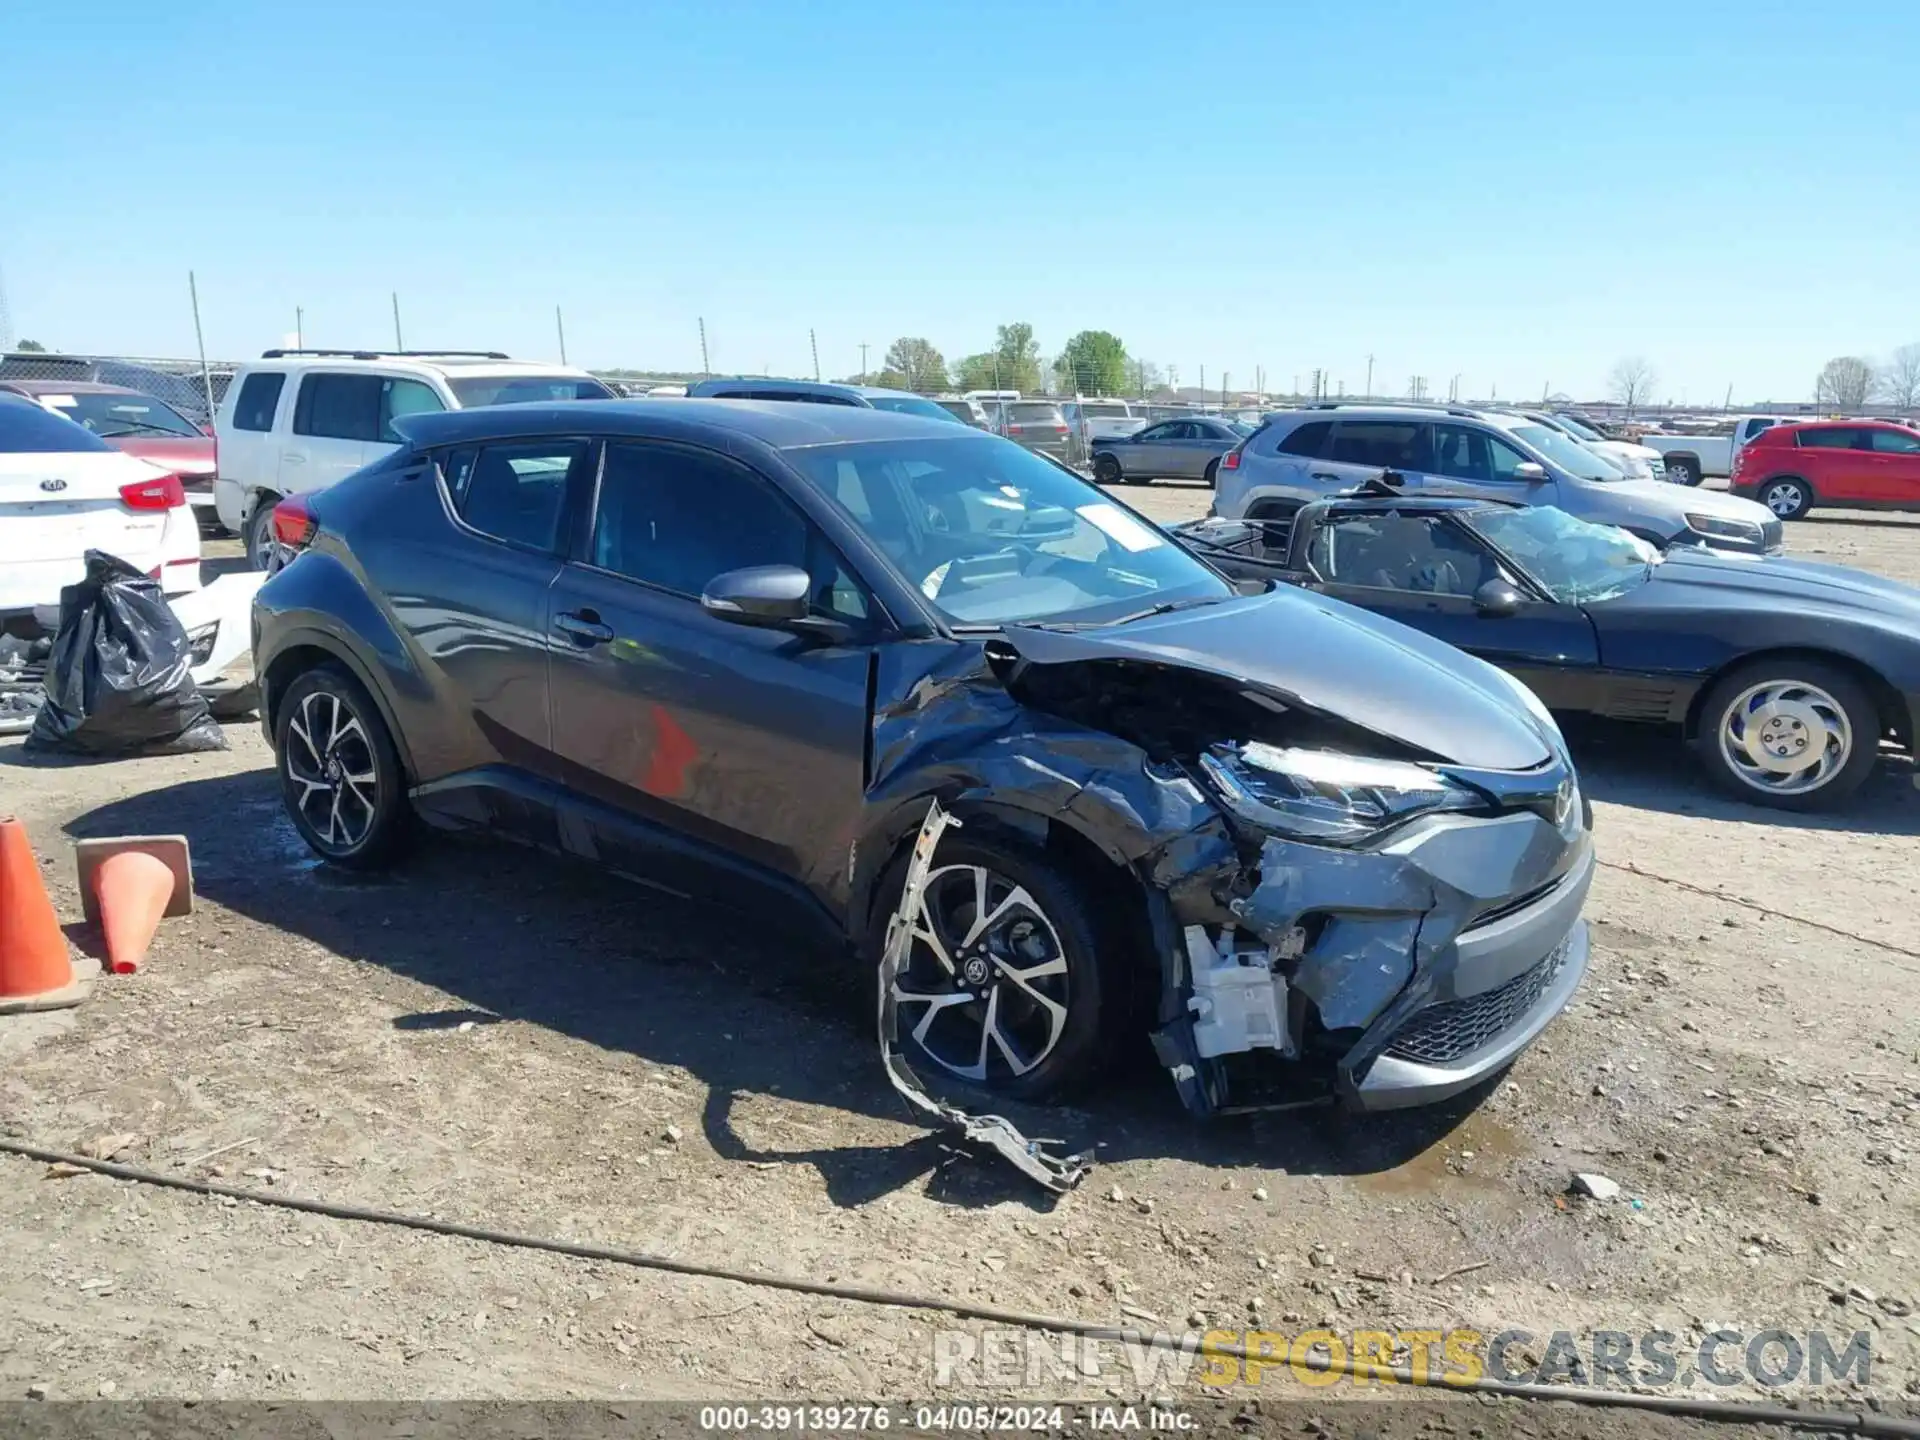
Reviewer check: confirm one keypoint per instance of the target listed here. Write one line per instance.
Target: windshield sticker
(65, 402)
(1121, 527)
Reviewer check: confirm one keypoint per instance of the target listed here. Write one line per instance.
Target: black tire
(1841, 692)
(1107, 471)
(259, 532)
(1683, 471)
(1093, 992)
(1212, 477)
(1788, 496)
(317, 772)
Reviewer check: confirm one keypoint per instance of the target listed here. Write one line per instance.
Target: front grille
(1444, 1032)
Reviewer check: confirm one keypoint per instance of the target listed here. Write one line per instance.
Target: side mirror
(766, 595)
(1529, 473)
(1497, 599)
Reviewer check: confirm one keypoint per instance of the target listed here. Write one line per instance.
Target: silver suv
(1303, 455)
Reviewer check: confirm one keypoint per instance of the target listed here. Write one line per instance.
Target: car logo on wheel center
(53, 486)
(974, 971)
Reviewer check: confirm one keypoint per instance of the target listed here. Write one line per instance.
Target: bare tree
(1900, 378)
(1632, 381)
(1845, 383)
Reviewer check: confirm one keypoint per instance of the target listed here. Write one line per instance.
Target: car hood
(1658, 495)
(1329, 658)
(1623, 449)
(1767, 583)
(182, 454)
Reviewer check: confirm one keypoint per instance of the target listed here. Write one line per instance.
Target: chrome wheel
(986, 973)
(329, 758)
(1785, 737)
(1783, 499)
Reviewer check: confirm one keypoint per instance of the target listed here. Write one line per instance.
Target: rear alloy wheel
(1001, 986)
(339, 771)
(1106, 470)
(261, 545)
(1788, 497)
(1798, 735)
(1683, 471)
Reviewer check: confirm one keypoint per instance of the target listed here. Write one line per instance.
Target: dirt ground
(499, 1038)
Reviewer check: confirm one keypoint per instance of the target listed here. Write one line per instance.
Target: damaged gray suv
(738, 650)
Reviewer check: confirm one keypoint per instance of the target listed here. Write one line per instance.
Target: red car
(136, 424)
(1850, 464)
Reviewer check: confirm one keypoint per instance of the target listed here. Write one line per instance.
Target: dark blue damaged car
(737, 649)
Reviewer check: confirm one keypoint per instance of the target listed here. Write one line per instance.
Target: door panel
(751, 741)
(1892, 467)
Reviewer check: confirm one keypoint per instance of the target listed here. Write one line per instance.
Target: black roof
(781, 424)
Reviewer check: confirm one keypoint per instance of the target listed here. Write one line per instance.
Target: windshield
(116, 415)
(1575, 560)
(1567, 453)
(472, 390)
(26, 429)
(1580, 430)
(993, 534)
(907, 405)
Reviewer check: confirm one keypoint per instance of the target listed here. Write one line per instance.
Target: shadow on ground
(1652, 769)
(511, 934)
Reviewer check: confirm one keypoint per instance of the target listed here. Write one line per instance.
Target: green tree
(978, 372)
(916, 363)
(33, 345)
(1019, 356)
(1094, 362)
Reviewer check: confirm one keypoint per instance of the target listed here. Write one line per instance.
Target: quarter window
(338, 407)
(259, 398)
(676, 517)
(514, 493)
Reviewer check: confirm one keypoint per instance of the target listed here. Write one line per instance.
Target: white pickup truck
(1693, 458)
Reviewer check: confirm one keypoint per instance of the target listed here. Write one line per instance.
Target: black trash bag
(117, 681)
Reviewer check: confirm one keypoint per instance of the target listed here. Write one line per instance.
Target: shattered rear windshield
(992, 534)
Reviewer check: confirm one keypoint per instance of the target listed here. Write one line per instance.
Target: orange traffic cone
(35, 971)
(127, 884)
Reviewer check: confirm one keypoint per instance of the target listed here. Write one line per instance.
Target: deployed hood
(1333, 660)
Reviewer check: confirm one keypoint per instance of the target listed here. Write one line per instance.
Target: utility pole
(1369, 394)
(863, 364)
(398, 343)
(705, 367)
(1545, 387)
(812, 341)
(1203, 381)
(200, 339)
(560, 326)
(1727, 404)
(1225, 376)
(299, 328)
(1453, 390)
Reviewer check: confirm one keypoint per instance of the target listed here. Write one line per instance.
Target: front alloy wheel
(1789, 499)
(1797, 741)
(1001, 985)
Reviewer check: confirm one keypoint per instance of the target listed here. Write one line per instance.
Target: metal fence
(183, 384)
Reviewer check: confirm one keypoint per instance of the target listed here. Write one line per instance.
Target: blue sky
(1518, 194)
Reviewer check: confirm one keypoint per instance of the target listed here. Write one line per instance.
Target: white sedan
(65, 491)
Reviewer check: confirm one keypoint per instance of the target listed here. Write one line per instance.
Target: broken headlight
(200, 642)
(1325, 796)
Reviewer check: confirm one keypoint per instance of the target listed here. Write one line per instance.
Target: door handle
(292, 457)
(583, 627)
(1323, 475)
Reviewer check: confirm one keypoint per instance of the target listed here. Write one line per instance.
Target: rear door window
(400, 397)
(259, 399)
(338, 407)
(515, 492)
(1389, 444)
(1831, 438)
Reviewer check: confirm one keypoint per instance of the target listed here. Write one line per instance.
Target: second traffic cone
(127, 885)
(36, 972)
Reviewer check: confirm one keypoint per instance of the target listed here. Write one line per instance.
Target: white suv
(296, 421)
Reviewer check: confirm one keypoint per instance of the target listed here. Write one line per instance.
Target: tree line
(1846, 383)
(1093, 362)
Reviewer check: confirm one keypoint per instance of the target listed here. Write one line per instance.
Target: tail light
(294, 525)
(163, 492)
(1013, 429)
(1231, 460)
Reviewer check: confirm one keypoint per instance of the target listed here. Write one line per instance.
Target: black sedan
(1786, 676)
(1187, 449)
